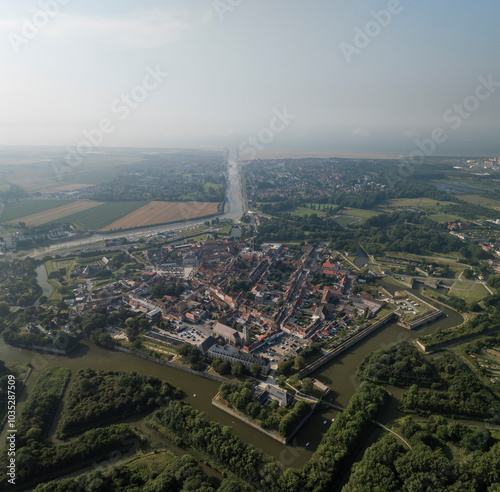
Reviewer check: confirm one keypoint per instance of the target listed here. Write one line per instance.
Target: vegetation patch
(41, 405)
(460, 394)
(400, 364)
(99, 396)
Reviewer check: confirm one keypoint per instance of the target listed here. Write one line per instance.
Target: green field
(303, 211)
(16, 210)
(92, 176)
(444, 218)
(426, 204)
(480, 200)
(364, 214)
(345, 220)
(215, 186)
(102, 215)
(468, 291)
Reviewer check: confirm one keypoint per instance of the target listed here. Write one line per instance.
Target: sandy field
(163, 212)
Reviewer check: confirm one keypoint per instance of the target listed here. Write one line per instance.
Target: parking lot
(192, 335)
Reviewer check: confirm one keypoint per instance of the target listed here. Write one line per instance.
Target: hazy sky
(230, 67)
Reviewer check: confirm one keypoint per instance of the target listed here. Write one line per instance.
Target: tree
(4, 309)
(307, 385)
(255, 370)
(299, 363)
(237, 369)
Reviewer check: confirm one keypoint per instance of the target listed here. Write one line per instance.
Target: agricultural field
(103, 215)
(163, 212)
(23, 208)
(59, 213)
(39, 173)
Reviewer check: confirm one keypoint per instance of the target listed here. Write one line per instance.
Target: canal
(339, 375)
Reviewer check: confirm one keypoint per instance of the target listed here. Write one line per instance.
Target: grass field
(479, 200)
(304, 211)
(345, 220)
(104, 215)
(23, 208)
(161, 213)
(444, 218)
(468, 291)
(58, 214)
(426, 204)
(364, 214)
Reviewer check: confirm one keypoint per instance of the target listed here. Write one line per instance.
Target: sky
(380, 76)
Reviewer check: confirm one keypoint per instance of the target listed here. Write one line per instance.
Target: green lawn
(16, 210)
(345, 220)
(303, 211)
(394, 282)
(468, 291)
(444, 218)
(102, 215)
(364, 214)
(426, 204)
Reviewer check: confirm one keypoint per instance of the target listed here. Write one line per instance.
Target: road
(234, 210)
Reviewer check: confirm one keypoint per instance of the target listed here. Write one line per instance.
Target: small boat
(307, 444)
(333, 420)
(324, 422)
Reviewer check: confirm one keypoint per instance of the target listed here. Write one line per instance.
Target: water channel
(339, 375)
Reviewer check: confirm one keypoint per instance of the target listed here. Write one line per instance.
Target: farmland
(47, 171)
(58, 213)
(105, 214)
(163, 212)
(16, 210)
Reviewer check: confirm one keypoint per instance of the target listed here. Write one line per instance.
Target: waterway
(339, 375)
(43, 281)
